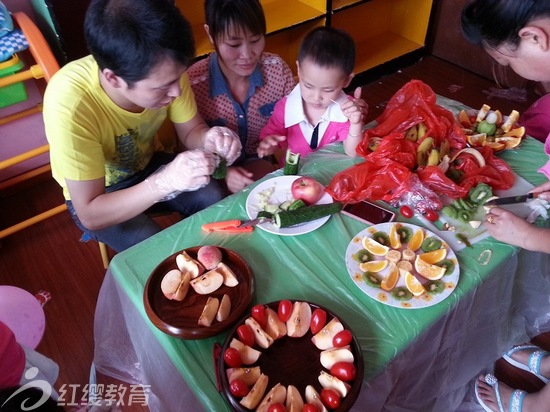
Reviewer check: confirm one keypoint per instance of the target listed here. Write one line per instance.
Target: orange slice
(374, 266)
(477, 140)
(427, 270)
(464, 119)
(377, 249)
(509, 141)
(499, 117)
(516, 132)
(389, 282)
(496, 146)
(416, 240)
(395, 239)
(413, 284)
(434, 256)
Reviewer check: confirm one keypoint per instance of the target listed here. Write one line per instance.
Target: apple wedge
(175, 285)
(224, 309)
(313, 397)
(323, 339)
(274, 327)
(298, 323)
(186, 263)
(207, 283)
(328, 381)
(262, 338)
(229, 278)
(209, 312)
(277, 394)
(247, 375)
(330, 356)
(248, 355)
(294, 401)
(256, 394)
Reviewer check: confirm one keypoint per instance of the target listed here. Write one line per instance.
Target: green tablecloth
(311, 267)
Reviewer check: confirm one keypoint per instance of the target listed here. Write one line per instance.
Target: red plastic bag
(387, 170)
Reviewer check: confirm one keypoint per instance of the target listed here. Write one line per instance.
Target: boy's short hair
(221, 15)
(130, 37)
(329, 47)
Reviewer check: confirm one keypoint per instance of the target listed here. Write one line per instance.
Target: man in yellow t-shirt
(102, 114)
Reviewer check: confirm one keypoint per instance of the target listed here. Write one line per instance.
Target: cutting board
(521, 187)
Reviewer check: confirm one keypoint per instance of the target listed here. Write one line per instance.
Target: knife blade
(510, 200)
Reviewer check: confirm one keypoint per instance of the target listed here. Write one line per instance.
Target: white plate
(282, 193)
(380, 295)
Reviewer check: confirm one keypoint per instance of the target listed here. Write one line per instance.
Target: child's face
(320, 85)
(239, 51)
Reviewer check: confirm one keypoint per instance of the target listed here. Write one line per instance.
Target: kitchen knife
(510, 200)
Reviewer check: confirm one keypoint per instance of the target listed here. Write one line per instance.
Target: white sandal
(516, 399)
(533, 364)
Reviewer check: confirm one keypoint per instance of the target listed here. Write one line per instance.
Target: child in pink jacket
(318, 112)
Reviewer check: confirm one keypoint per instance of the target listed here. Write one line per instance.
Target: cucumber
(289, 218)
(264, 214)
(292, 163)
(297, 204)
(221, 170)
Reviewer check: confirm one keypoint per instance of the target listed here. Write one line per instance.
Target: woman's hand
(238, 178)
(224, 142)
(505, 226)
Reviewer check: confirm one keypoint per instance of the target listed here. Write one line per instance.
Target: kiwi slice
(372, 279)
(405, 234)
(362, 256)
(382, 238)
(434, 287)
(448, 264)
(431, 243)
(401, 293)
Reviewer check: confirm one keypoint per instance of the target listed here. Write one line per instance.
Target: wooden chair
(44, 67)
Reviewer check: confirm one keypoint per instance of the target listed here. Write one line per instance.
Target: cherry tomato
(318, 320)
(260, 315)
(246, 335)
(276, 407)
(432, 216)
(309, 407)
(284, 310)
(342, 338)
(406, 211)
(238, 388)
(330, 398)
(232, 358)
(344, 371)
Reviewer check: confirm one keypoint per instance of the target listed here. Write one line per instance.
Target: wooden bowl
(180, 319)
(292, 361)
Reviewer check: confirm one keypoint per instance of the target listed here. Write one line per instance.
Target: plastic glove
(224, 142)
(189, 171)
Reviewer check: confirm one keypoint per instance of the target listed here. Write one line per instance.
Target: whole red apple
(308, 189)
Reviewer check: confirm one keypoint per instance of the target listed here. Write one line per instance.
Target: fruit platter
(486, 127)
(198, 292)
(402, 265)
(290, 355)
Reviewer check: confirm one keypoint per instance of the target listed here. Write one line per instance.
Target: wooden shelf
(382, 29)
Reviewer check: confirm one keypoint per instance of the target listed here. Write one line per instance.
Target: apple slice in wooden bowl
(183, 313)
(291, 365)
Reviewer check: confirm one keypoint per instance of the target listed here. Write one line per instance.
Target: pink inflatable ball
(23, 314)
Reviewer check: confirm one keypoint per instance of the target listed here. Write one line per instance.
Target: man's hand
(189, 171)
(224, 142)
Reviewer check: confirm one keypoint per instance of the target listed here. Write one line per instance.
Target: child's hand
(544, 191)
(269, 145)
(355, 109)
